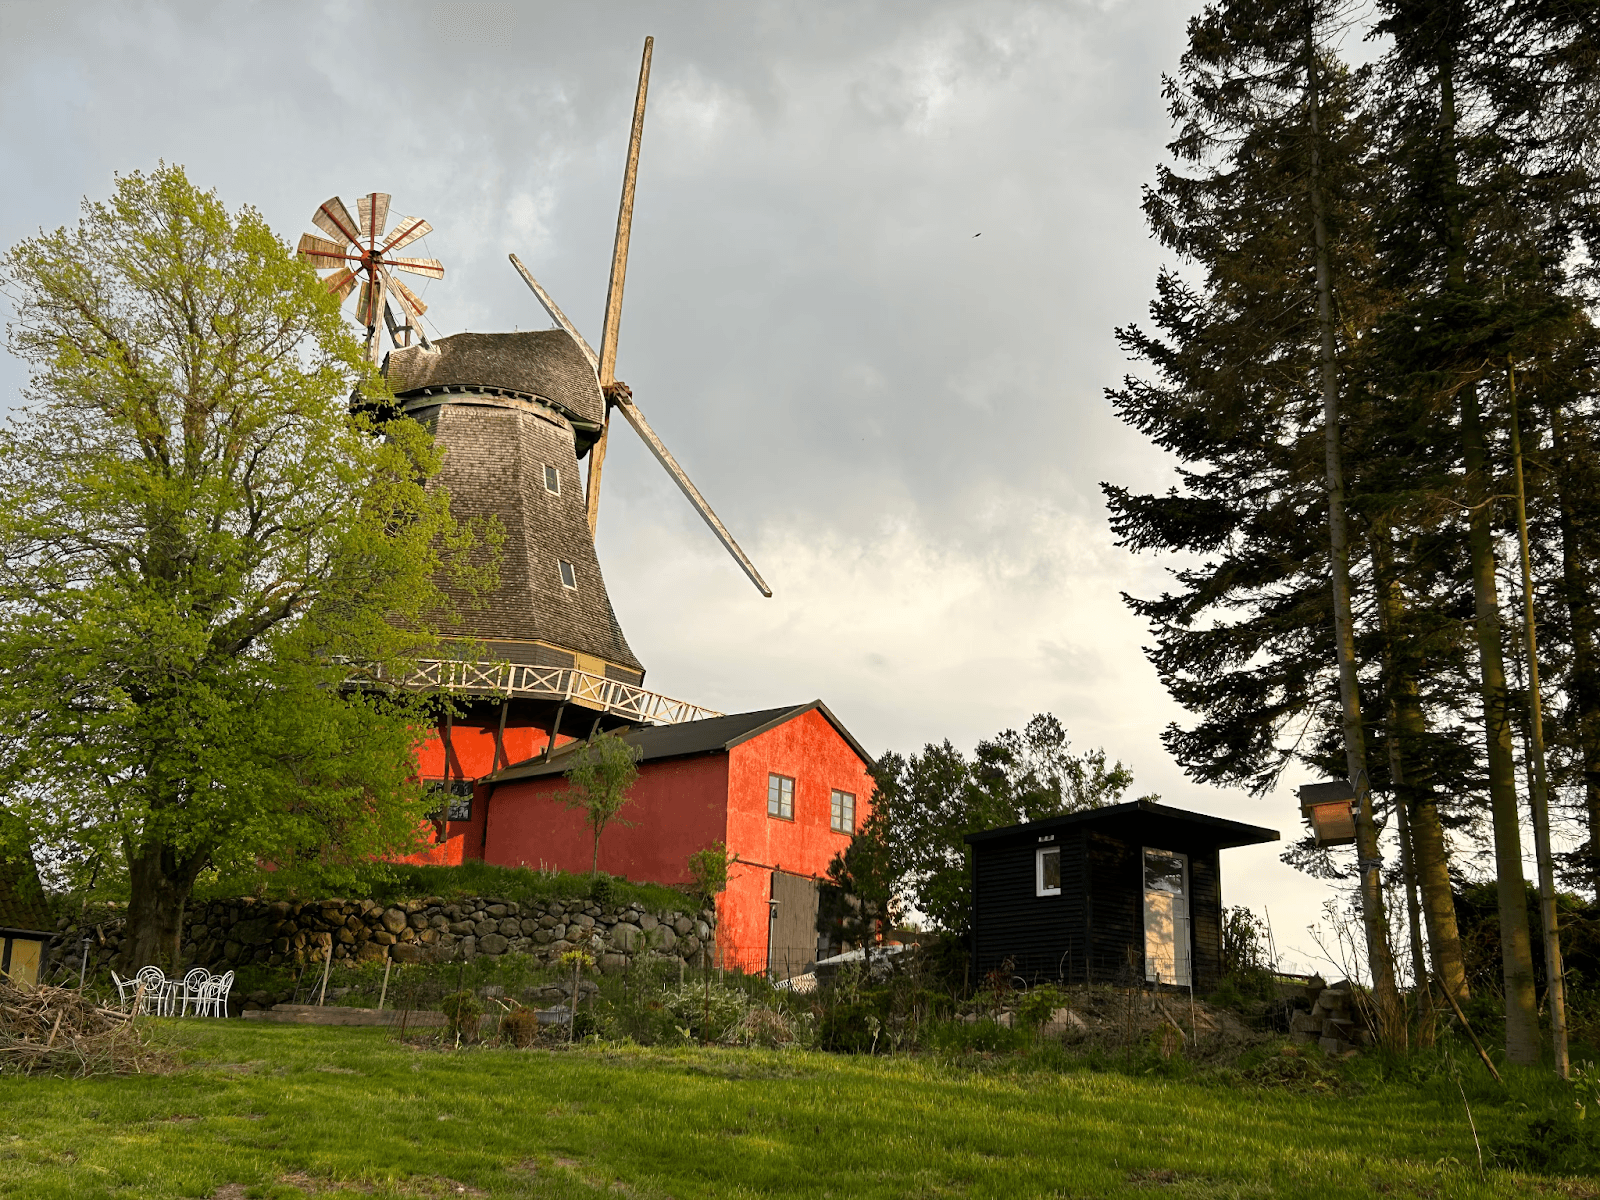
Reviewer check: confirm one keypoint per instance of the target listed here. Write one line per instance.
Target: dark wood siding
(1205, 912)
(1042, 936)
(1116, 910)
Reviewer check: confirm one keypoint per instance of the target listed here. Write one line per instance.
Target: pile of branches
(59, 1031)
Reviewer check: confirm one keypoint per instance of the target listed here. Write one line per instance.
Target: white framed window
(569, 577)
(844, 812)
(552, 480)
(1047, 871)
(780, 797)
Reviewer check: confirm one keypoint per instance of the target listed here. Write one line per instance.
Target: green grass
(404, 881)
(282, 1111)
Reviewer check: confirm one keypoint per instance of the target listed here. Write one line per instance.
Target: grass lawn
(285, 1111)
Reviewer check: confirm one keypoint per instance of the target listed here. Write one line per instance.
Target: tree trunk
(1516, 951)
(1413, 778)
(1391, 1019)
(1555, 978)
(1584, 685)
(159, 883)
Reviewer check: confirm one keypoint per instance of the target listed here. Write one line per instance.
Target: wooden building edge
(1128, 894)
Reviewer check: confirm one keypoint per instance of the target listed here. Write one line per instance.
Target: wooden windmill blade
(406, 231)
(556, 315)
(431, 267)
(624, 401)
(692, 493)
(607, 369)
(321, 253)
(334, 219)
(374, 210)
(409, 300)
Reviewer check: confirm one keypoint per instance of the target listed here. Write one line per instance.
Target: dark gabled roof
(545, 363)
(22, 903)
(1223, 832)
(712, 735)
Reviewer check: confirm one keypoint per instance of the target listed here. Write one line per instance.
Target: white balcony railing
(555, 683)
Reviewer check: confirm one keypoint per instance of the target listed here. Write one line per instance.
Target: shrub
(520, 1027)
(462, 1010)
(982, 1036)
(709, 1011)
(1035, 1007)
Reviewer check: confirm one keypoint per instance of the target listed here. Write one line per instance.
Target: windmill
(618, 395)
(543, 656)
(364, 252)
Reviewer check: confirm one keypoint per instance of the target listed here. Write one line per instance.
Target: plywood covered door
(792, 937)
(1166, 917)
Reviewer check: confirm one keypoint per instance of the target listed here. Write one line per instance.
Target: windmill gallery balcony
(567, 684)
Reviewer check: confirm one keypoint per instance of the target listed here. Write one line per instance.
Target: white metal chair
(127, 990)
(190, 990)
(213, 1000)
(155, 994)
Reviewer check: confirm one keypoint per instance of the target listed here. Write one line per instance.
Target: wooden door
(792, 932)
(1166, 917)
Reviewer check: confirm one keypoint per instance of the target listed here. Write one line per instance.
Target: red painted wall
(810, 751)
(675, 808)
(474, 758)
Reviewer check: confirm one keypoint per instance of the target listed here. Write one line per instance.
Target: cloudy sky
(878, 255)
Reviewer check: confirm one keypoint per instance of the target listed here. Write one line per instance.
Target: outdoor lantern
(1330, 807)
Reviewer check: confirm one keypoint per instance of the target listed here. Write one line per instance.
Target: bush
(462, 1010)
(1037, 1005)
(854, 1024)
(520, 1027)
(982, 1036)
(709, 1011)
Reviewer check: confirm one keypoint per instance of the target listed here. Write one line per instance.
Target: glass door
(1166, 917)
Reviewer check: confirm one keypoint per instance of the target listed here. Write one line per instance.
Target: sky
(878, 255)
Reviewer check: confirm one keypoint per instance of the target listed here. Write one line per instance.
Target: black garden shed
(1122, 894)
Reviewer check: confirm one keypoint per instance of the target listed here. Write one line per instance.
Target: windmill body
(514, 412)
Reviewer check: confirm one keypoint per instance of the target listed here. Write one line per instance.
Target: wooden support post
(382, 995)
(501, 758)
(327, 963)
(555, 728)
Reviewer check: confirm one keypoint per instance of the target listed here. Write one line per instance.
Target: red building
(783, 789)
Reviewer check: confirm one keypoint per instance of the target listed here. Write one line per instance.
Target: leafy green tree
(208, 568)
(708, 872)
(605, 767)
(924, 806)
(861, 899)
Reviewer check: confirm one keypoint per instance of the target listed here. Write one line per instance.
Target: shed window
(569, 577)
(780, 797)
(1047, 871)
(452, 798)
(552, 480)
(844, 812)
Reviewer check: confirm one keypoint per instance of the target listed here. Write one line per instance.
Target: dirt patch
(1153, 1178)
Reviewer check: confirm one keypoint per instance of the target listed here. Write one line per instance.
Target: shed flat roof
(1226, 833)
(678, 741)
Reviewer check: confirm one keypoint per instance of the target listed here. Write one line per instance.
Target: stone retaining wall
(229, 933)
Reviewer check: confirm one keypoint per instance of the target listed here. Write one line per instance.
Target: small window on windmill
(1330, 807)
(552, 480)
(569, 577)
